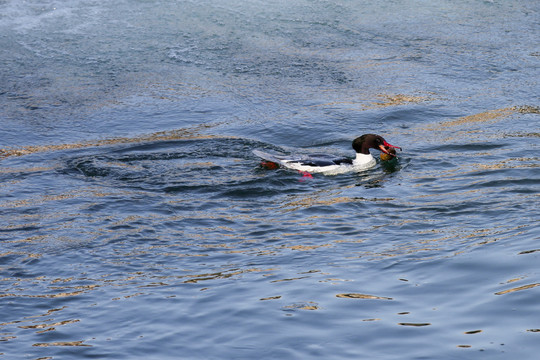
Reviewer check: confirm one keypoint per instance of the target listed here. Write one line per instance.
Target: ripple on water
(196, 226)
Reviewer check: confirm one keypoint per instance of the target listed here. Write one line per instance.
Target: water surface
(136, 221)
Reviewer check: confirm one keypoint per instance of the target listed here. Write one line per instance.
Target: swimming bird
(330, 165)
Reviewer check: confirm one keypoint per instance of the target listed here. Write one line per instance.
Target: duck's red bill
(391, 146)
(386, 146)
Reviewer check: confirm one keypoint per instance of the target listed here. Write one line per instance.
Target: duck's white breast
(361, 163)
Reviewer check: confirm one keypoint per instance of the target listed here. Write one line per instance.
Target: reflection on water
(178, 134)
(152, 220)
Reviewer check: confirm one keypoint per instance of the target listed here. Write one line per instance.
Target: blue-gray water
(137, 224)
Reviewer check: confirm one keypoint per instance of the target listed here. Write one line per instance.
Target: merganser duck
(330, 165)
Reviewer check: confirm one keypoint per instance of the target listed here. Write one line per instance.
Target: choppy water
(137, 223)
